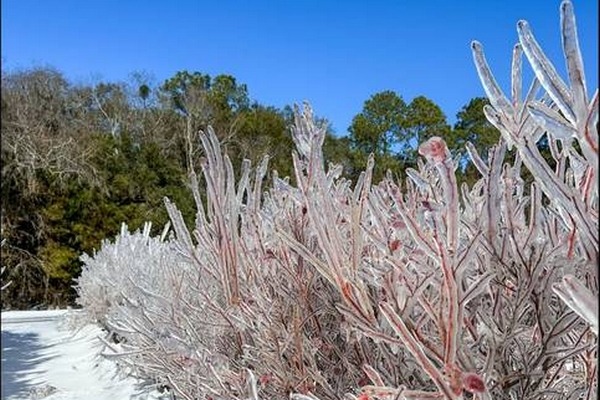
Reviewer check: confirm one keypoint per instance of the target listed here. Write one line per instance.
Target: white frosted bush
(416, 289)
(115, 271)
(137, 288)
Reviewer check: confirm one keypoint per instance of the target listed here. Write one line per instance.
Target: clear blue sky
(335, 54)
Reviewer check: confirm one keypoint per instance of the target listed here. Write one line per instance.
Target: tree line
(80, 159)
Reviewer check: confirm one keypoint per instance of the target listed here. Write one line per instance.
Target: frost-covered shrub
(119, 269)
(141, 289)
(415, 289)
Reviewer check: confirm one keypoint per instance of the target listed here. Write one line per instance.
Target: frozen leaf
(373, 375)
(580, 299)
(517, 75)
(589, 141)
(573, 57)
(545, 71)
(551, 121)
(297, 396)
(476, 159)
(497, 120)
(417, 178)
(491, 87)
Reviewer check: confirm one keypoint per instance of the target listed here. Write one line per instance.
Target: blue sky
(335, 54)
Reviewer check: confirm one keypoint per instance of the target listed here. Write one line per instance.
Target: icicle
(417, 178)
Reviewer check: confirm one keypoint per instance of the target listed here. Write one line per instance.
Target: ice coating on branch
(552, 121)
(306, 135)
(544, 70)
(491, 87)
(580, 299)
(562, 119)
(434, 149)
(573, 56)
(516, 75)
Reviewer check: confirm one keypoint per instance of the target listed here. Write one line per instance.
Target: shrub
(416, 289)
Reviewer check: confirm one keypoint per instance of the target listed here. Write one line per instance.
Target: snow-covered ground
(42, 358)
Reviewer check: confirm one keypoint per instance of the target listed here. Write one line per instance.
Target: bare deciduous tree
(38, 111)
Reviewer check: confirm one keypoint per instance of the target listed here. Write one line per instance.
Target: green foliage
(263, 130)
(141, 177)
(380, 124)
(423, 120)
(60, 261)
(377, 129)
(144, 92)
(472, 126)
(73, 217)
(392, 130)
(184, 85)
(338, 150)
(206, 101)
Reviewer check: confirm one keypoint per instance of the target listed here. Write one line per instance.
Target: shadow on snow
(21, 354)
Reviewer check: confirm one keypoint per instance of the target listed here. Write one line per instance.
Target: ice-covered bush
(119, 269)
(417, 290)
(568, 119)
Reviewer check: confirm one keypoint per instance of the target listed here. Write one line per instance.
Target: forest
(80, 160)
